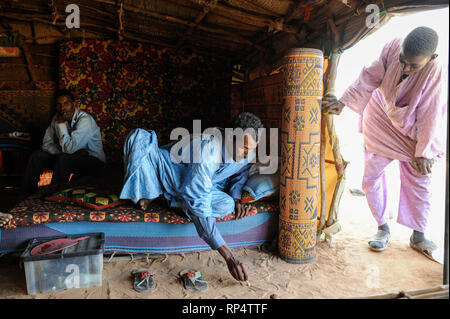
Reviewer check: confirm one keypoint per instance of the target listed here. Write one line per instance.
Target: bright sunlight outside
(351, 63)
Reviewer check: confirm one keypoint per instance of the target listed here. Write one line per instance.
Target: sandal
(428, 248)
(379, 241)
(193, 280)
(143, 280)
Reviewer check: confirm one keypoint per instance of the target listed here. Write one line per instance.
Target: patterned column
(300, 149)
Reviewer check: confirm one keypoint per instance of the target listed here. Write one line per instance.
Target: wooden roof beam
(264, 20)
(97, 20)
(181, 21)
(206, 9)
(110, 31)
(31, 68)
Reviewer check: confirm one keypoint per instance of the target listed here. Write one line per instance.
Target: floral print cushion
(36, 210)
(88, 197)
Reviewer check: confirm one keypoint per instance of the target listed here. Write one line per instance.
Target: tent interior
(160, 64)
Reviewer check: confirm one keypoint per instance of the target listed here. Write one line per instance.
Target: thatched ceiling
(245, 31)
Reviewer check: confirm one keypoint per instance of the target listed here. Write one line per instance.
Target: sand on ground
(344, 268)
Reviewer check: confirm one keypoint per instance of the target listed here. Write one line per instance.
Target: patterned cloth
(86, 197)
(26, 106)
(35, 210)
(125, 85)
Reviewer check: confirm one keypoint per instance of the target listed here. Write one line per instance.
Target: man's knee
(64, 157)
(222, 204)
(64, 161)
(39, 155)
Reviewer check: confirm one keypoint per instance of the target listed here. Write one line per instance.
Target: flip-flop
(428, 248)
(193, 281)
(382, 237)
(143, 280)
(357, 192)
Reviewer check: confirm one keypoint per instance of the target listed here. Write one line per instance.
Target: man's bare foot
(144, 203)
(4, 219)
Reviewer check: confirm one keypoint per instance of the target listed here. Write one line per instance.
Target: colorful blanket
(130, 230)
(36, 210)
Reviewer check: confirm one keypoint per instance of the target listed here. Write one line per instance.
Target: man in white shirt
(72, 144)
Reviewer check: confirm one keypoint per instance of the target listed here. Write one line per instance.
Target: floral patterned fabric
(87, 197)
(247, 198)
(35, 210)
(126, 85)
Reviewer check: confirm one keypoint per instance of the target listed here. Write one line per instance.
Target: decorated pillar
(300, 154)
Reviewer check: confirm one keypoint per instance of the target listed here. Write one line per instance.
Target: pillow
(262, 185)
(86, 197)
(246, 197)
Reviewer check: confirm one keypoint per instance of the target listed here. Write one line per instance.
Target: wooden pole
(334, 141)
(323, 184)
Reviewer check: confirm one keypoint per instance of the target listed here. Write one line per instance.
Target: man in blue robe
(205, 180)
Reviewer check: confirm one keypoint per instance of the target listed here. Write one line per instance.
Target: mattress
(130, 230)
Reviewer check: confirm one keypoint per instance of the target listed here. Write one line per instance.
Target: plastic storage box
(78, 266)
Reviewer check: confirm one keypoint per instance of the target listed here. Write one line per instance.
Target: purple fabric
(415, 130)
(121, 237)
(415, 195)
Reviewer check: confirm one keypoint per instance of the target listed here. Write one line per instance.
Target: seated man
(72, 144)
(197, 187)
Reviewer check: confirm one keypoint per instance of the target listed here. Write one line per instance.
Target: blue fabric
(83, 133)
(150, 172)
(262, 185)
(207, 230)
(198, 187)
(145, 237)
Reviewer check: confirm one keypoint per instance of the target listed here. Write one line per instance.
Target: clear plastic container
(78, 266)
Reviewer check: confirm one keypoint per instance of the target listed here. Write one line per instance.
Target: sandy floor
(345, 268)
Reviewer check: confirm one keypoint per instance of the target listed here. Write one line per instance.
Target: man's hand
(61, 117)
(331, 105)
(422, 165)
(240, 210)
(235, 266)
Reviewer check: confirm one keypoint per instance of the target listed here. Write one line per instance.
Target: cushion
(262, 185)
(88, 197)
(247, 198)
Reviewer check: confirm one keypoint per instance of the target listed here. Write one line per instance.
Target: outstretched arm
(196, 193)
(235, 266)
(207, 230)
(359, 92)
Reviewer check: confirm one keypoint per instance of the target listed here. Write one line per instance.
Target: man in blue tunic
(196, 179)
